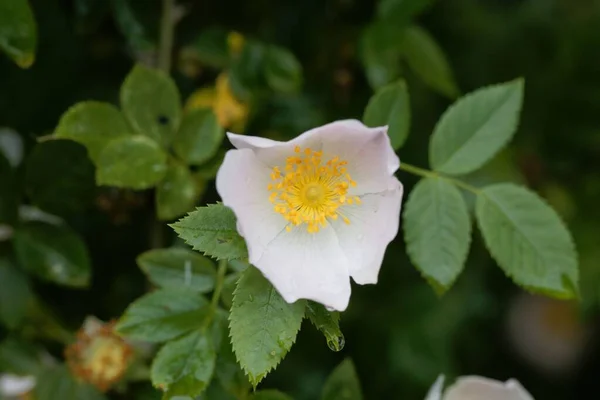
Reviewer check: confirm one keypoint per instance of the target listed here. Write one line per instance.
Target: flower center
(309, 191)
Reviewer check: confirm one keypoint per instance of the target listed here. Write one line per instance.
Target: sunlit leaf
(150, 101)
(263, 326)
(163, 315)
(390, 106)
(135, 162)
(18, 31)
(528, 240)
(475, 128)
(437, 231)
(175, 268)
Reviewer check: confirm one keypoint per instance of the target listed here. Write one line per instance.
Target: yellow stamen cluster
(308, 191)
(100, 358)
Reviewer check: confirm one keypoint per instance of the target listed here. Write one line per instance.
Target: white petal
(435, 392)
(370, 165)
(373, 225)
(242, 184)
(479, 388)
(304, 265)
(250, 142)
(13, 385)
(346, 139)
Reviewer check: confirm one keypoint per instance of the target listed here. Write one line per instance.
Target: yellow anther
(309, 191)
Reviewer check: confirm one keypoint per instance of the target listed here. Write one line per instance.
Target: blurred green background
(399, 333)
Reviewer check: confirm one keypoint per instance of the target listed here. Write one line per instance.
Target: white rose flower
(316, 210)
(478, 388)
(13, 386)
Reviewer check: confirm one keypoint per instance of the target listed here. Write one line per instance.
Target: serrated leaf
(199, 137)
(528, 240)
(177, 193)
(54, 253)
(263, 326)
(343, 383)
(18, 32)
(270, 394)
(475, 128)
(15, 294)
(163, 315)
(59, 177)
(92, 124)
(428, 61)
(184, 367)
(175, 268)
(283, 72)
(135, 162)
(228, 372)
(328, 323)
(212, 230)
(150, 101)
(437, 231)
(390, 106)
(56, 382)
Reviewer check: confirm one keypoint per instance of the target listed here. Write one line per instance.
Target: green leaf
(177, 193)
(56, 382)
(9, 201)
(11, 145)
(163, 315)
(380, 54)
(212, 230)
(228, 372)
(401, 11)
(54, 253)
(437, 231)
(184, 367)
(175, 268)
(18, 32)
(246, 75)
(92, 124)
(390, 106)
(428, 61)
(283, 72)
(19, 357)
(14, 295)
(211, 167)
(475, 128)
(229, 286)
(528, 240)
(328, 323)
(199, 137)
(135, 162)
(210, 48)
(59, 177)
(270, 394)
(150, 101)
(263, 327)
(343, 383)
(129, 23)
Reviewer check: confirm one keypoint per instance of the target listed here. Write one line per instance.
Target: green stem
(214, 302)
(167, 26)
(222, 269)
(432, 174)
